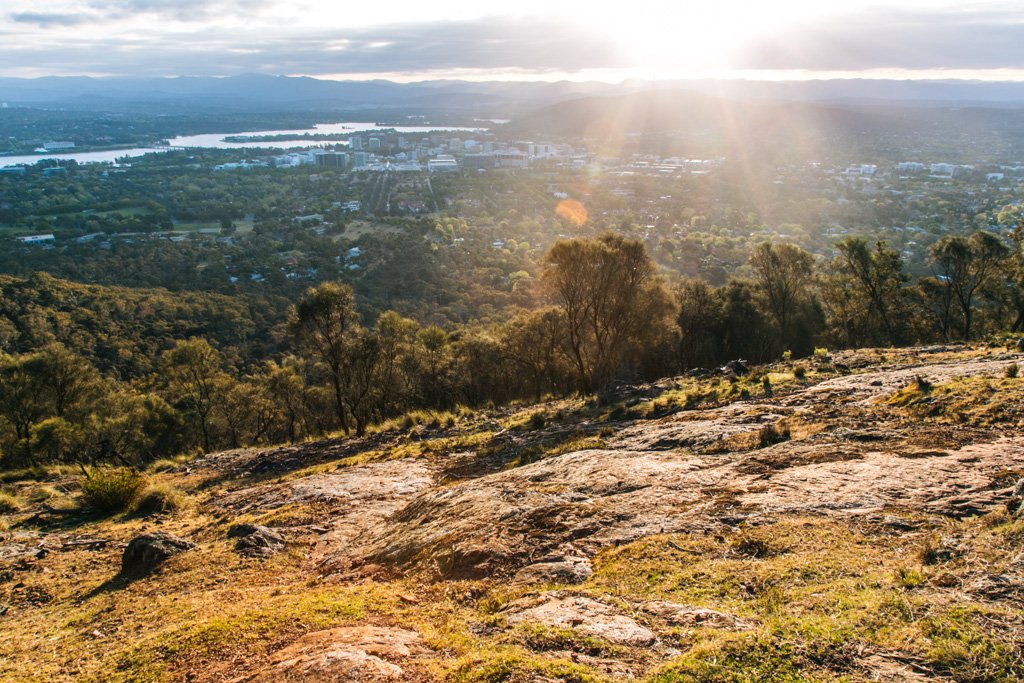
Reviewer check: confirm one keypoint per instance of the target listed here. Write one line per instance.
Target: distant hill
(730, 122)
(122, 329)
(753, 126)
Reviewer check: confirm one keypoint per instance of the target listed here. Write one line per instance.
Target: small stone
(255, 540)
(738, 367)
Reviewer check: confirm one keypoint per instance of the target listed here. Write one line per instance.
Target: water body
(217, 141)
(109, 156)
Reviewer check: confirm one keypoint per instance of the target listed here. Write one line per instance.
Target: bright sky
(527, 39)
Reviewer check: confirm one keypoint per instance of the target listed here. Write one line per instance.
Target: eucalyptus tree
(966, 265)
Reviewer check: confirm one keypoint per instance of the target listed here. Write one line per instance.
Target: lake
(216, 141)
(108, 156)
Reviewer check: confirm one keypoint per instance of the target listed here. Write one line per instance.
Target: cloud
(102, 12)
(526, 44)
(880, 38)
(50, 18)
(179, 10)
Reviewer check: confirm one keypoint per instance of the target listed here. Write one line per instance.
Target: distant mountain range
(264, 92)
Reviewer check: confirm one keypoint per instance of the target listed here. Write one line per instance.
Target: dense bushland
(85, 380)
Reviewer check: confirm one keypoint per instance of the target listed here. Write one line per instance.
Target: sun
(689, 39)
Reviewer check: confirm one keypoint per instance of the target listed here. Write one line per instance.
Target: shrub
(772, 434)
(929, 552)
(112, 490)
(8, 503)
(909, 578)
(755, 548)
(921, 385)
(163, 465)
(538, 420)
(1012, 371)
(799, 372)
(43, 493)
(160, 499)
(820, 352)
(934, 550)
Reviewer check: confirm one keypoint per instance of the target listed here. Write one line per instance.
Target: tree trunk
(339, 404)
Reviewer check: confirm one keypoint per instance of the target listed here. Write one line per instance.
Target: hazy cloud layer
(967, 38)
(493, 44)
(223, 37)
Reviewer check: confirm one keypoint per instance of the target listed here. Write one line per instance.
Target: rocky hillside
(845, 518)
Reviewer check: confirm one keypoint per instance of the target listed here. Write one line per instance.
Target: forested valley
(94, 373)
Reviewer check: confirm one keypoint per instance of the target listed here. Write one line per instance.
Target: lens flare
(571, 211)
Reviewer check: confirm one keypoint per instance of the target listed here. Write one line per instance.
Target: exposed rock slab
(594, 498)
(564, 569)
(861, 389)
(361, 497)
(684, 615)
(13, 552)
(370, 493)
(582, 615)
(597, 498)
(653, 478)
(351, 653)
(957, 483)
(696, 429)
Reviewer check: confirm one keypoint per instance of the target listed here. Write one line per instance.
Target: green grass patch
(975, 401)
(765, 658)
(516, 666)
